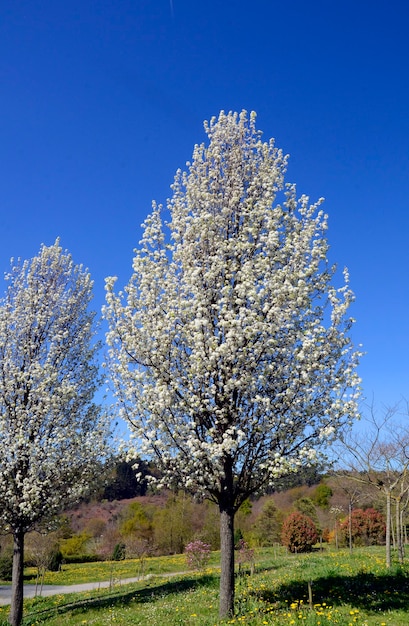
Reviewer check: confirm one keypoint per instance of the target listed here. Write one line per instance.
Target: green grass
(347, 590)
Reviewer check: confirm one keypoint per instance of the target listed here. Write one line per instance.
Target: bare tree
(376, 454)
(354, 491)
(39, 549)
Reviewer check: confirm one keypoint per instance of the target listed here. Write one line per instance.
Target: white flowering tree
(229, 347)
(51, 432)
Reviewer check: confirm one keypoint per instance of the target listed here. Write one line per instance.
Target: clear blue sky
(101, 101)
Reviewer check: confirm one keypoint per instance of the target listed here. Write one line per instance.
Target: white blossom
(229, 347)
(231, 340)
(51, 433)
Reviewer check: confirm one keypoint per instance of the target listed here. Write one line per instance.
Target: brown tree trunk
(226, 606)
(17, 589)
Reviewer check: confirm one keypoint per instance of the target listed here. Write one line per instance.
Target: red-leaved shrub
(367, 527)
(299, 533)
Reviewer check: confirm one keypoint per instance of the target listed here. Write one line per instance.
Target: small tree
(40, 548)
(173, 525)
(138, 548)
(307, 507)
(267, 527)
(51, 432)
(136, 523)
(322, 495)
(230, 349)
(299, 533)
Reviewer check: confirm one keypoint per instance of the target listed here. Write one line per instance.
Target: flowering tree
(197, 554)
(51, 432)
(245, 554)
(229, 348)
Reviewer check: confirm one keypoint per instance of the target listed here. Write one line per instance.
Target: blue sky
(101, 101)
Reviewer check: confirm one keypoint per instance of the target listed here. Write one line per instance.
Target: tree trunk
(388, 529)
(403, 534)
(226, 606)
(399, 533)
(350, 526)
(17, 590)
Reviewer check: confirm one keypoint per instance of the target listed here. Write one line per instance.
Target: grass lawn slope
(316, 589)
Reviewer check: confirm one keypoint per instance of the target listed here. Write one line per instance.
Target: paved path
(53, 590)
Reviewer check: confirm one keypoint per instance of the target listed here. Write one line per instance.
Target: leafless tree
(376, 454)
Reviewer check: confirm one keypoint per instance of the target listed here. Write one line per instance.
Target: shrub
(55, 562)
(197, 554)
(245, 555)
(77, 544)
(81, 558)
(299, 533)
(238, 536)
(6, 567)
(367, 527)
(119, 552)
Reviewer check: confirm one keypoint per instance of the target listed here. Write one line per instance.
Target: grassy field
(317, 589)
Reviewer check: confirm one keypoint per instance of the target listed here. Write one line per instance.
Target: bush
(368, 527)
(197, 554)
(55, 562)
(245, 555)
(6, 567)
(77, 544)
(82, 558)
(299, 533)
(238, 536)
(119, 552)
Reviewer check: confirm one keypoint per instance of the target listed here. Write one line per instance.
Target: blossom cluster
(197, 554)
(51, 432)
(230, 345)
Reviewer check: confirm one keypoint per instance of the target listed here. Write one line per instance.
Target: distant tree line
(298, 518)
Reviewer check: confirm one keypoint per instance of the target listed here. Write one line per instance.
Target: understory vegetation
(158, 525)
(320, 588)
